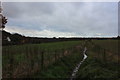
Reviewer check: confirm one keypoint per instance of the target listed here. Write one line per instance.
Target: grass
(19, 51)
(99, 64)
(26, 60)
(60, 58)
(111, 45)
(62, 68)
(94, 69)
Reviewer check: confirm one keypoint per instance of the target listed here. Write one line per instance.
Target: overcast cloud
(56, 19)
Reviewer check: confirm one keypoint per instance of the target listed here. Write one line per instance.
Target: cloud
(60, 0)
(43, 33)
(80, 18)
(26, 9)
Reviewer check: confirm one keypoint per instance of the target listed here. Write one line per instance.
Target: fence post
(69, 51)
(42, 59)
(27, 52)
(104, 56)
(98, 52)
(11, 62)
(55, 55)
(63, 51)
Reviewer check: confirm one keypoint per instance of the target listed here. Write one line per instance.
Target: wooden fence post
(70, 51)
(104, 56)
(98, 52)
(42, 59)
(55, 55)
(63, 51)
(11, 62)
(27, 52)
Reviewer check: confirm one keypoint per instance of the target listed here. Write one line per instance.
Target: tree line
(17, 39)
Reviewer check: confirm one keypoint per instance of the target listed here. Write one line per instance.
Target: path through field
(78, 66)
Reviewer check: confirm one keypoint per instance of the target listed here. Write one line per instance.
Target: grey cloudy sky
(62, 19)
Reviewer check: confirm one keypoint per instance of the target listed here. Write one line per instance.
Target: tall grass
(102, 62)
(26, 60)
(111, 45)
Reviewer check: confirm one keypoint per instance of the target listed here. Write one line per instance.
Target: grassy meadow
(102, 62)
(111, 45)
(29, 59)
(58, 59)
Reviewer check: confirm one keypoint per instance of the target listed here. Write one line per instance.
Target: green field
(58, 59)
(102, 62)
(111, 45)
(29, 59)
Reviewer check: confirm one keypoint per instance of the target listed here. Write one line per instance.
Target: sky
(62, 19)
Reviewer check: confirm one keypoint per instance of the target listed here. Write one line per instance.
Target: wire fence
(105, 54)
(24, 61)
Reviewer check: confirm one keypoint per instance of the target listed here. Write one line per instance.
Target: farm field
(110, 48)
(58, 59)
(102, 61)
(111, 45)
(64, 40)
(29, 59)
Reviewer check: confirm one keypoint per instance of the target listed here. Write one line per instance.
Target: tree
(3, 22)
(3, 19)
